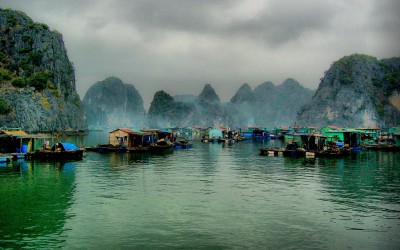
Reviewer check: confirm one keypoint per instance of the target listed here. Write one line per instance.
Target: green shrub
(5, 107)
(11, 20)
(35, 57)
(5, 74)
(44, 26)
(19, 82)
(24, 50)
(38, 80)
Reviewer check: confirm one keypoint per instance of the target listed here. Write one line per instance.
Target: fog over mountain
(178, 46)
(267, 106)
(111, 103)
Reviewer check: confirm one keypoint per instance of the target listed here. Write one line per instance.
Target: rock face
(166, 112)
(268, 105)
(112, 104)
(357, 90)
(205, 110)
(209, 108)
(37, 79)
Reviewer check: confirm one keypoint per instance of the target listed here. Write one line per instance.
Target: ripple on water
(212, 195)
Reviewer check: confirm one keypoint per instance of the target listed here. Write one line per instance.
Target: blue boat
(4, 159)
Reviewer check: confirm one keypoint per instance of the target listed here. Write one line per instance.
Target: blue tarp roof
(69, 146)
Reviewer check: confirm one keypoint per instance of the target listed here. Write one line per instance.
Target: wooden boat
(138, 149)
(161, 146)
(182, 143)
(4, 159)
(17, 156)
(332, 152)
(107, 148)
(60, 151)
(271, 151)
(292, 150)
(382, 147)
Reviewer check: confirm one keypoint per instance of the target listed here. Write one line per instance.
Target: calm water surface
(212, 196)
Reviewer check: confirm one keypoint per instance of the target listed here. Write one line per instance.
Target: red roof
(126, 130)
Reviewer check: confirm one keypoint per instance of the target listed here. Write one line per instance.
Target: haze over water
(210, 196)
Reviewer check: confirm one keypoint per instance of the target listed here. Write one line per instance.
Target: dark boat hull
(55, 155)
(161, 148)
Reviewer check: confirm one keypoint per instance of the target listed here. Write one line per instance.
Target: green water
(212, 196)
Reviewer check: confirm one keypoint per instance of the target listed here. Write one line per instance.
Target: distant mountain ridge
(358, 90)
(269, 105)
(262, 107)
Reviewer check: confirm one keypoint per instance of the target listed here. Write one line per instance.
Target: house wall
(115, 135)
(215, 133)
(397, 140)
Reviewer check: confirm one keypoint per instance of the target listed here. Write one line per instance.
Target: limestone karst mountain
(112, 103)
(357, 90)
(37, 91)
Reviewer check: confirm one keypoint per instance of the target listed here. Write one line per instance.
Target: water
(212, 196)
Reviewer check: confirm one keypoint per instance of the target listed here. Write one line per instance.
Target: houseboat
(60, 151)
(126, 140)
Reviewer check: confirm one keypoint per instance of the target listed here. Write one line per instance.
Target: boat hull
(55, 155)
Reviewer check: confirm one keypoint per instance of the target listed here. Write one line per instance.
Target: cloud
(180, 45)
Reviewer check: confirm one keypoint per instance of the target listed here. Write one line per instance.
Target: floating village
(328, 141)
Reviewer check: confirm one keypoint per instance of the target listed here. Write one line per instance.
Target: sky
(180, 45)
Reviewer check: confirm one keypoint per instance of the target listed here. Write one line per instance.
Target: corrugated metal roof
(14, 132)
(129, 131)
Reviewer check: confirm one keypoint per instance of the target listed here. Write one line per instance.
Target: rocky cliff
(209, 108)
(204, 110)
(112, 104)
(357, 90)
(166, 112)
(37, 91)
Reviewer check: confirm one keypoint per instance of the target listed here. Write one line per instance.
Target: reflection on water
(210, 196)
(34, 200)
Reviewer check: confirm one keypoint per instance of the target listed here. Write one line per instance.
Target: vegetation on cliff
(357, 90)
(34, 66)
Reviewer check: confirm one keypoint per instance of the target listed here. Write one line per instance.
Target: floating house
(369, 135)
(329, 128)
(18, 141)
(396, 135)
(129, 138)
(215, 133)
(212, 135)
(348, 137)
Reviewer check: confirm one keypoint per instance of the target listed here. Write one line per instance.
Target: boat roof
(21, 134)
(130, 131)
(368, 128)
(14, 132)
(69, 146)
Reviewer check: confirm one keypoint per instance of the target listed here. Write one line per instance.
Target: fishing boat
(292, 150)
(107, 148)
(4, 159)
(271, 151)
(161, 146)
(60, 151)
(182, 143)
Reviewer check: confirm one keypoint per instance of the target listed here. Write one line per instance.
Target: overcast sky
(180, 45)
